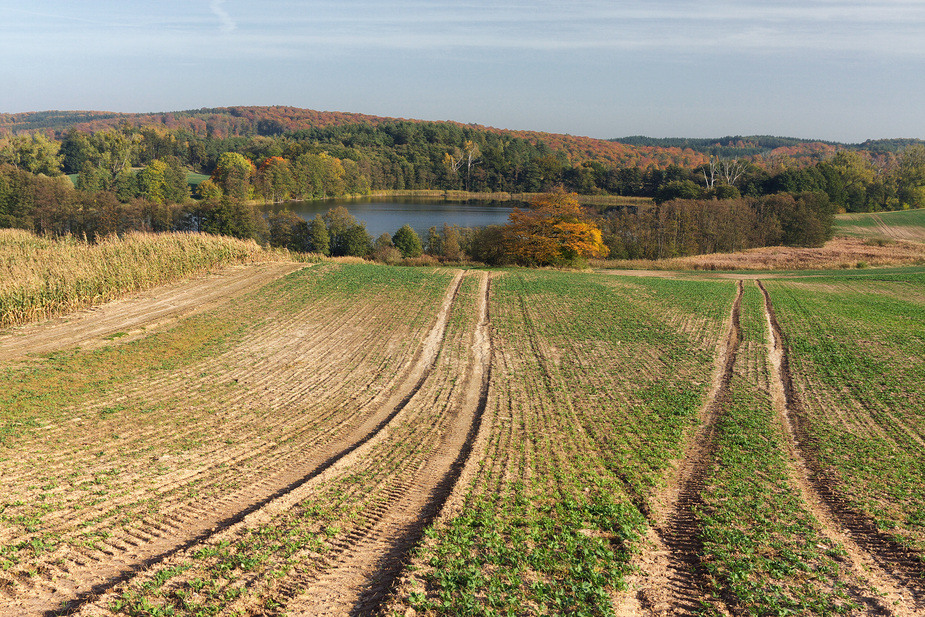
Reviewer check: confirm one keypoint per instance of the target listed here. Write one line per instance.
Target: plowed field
(358, 439)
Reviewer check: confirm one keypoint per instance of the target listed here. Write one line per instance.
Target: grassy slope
(900, 224)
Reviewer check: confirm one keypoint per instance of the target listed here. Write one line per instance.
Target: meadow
(352, 438)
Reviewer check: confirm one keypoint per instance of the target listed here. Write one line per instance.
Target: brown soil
(276, 482)
(410, 464)
(669, 579)
(894, 573)
(364, 568)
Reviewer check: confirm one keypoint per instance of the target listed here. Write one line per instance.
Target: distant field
(901, 225)
(194, 179)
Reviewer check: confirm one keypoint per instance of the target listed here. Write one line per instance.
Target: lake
(388, 214)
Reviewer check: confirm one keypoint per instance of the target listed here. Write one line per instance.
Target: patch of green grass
(194, 179)
(869, 225)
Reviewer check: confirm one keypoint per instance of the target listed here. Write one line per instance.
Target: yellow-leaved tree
(554, 231)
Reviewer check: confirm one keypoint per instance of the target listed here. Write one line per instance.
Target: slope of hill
(767, 145)
(249, 121)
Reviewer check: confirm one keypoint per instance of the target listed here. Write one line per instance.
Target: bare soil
(359, 578)
(269, 476)
(410, 465)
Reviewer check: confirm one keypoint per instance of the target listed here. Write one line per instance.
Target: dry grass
(837, 253)
(347, 259)
(42, 277)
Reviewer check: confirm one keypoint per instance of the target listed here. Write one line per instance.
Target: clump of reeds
(41, 277)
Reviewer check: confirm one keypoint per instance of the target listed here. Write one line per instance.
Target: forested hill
(766, 145)
(225, 122)
(217, 122)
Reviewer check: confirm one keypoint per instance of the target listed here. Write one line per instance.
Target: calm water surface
(388, 214)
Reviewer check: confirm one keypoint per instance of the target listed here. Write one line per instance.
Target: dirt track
(410, 464)
(356, 580)
(888, 567)
(140, 313)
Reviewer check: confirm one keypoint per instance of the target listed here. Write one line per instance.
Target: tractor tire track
(103, 570)
(671, 579)
(895, 571)
(175, 512)
(361, 571)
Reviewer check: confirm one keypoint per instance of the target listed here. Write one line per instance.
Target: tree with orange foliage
(555, 231)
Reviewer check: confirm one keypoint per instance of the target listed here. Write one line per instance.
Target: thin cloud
(228, 25)
(715, 26)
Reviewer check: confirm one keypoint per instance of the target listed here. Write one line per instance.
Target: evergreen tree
(407, 241)
(319, 240)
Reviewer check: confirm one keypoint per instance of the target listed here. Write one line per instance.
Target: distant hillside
(249, 121)
(766, 145)
(217, 122)
(628, 152)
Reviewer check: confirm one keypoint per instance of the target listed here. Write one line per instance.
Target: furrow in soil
(102, 570)
(360, 577)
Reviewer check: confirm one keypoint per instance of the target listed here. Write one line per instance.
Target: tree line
(115, 180)
(52, 205)
(151, 162)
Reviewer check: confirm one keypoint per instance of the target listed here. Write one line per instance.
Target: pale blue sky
(828, 69)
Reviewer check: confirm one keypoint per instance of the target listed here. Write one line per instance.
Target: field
(900, 225)
(336, 438)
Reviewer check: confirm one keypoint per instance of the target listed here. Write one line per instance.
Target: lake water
(388, 214)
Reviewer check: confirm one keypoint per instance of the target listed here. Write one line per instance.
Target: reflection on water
(388, 214)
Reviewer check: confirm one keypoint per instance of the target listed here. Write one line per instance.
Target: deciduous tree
(234, 174)
(319, 240)
(554, 231)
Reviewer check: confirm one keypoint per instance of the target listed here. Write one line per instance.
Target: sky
(816, 69)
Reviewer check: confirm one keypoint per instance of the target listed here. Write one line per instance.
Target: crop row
(764, 552)
(40, 277)
(288, 555)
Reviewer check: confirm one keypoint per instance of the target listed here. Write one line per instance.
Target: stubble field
(357, 439)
